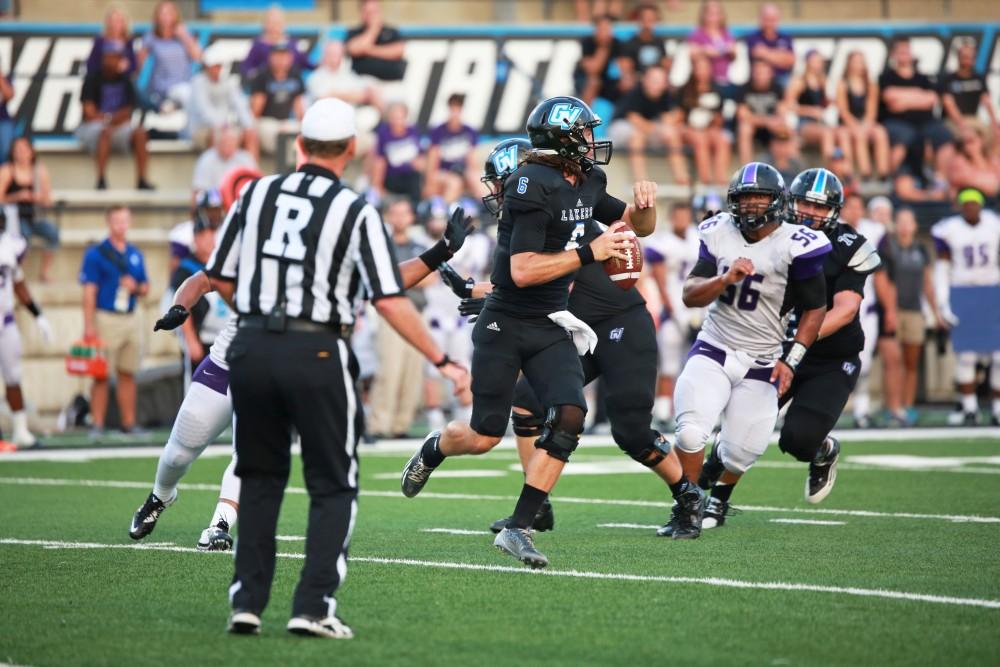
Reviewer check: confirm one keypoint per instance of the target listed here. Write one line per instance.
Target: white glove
(45, 330)
(583, 336)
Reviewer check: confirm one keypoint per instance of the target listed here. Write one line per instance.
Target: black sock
(723, 491)
(680, 487)
(431, 452)
(527, 507)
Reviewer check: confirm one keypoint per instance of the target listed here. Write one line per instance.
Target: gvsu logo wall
(502, 75)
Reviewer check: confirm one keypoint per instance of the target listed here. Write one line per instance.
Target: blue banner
(978, 313)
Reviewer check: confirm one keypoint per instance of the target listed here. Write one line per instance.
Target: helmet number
(564, 114)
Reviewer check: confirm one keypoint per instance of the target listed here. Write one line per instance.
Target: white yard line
(636, 526)
(290, 538)
(470, 473)
(122, 484)
(572, 574)
(809, 522)
(455, 531)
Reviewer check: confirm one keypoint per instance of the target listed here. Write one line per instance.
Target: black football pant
(625, 358)
(304, 382)
(818, 394)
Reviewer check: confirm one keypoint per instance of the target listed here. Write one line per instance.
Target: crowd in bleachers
(898, 131)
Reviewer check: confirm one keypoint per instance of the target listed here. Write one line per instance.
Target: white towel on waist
(583, 336)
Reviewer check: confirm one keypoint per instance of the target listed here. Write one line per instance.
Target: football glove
(172, 319)
(459, 226)
(462, 287)
(471, 308)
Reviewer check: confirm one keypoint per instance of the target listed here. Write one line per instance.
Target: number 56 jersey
(751, 316)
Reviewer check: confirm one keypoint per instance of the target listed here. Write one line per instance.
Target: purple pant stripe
(212, 376)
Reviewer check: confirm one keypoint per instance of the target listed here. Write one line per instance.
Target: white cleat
(330, 627)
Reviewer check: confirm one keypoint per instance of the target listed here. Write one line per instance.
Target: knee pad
(691, 439)
(529, 426)
(561, 433)
(651, 453)
(737, 458)
(802, 434)
(965, 368)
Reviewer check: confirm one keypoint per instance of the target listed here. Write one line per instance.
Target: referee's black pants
(306, 382)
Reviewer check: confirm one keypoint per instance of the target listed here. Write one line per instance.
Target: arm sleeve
(528, 230)
(225, 259)
(809, 293)
(377, 258)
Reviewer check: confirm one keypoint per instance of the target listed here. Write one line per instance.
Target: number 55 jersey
(752, 316)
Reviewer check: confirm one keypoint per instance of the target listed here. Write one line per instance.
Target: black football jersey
(595, 297)
(846, 267)
(542, 212)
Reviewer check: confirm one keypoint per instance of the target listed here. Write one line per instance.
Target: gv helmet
(502, 161)
(818, 186)
(564, 126)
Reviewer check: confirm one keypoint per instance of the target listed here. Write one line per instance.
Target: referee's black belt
(261, 322)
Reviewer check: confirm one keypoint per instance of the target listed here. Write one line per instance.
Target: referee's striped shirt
(307, 237)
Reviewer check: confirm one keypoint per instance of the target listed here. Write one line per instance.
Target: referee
(293, 256)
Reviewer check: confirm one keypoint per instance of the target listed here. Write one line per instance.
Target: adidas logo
(493, 326)
(579, 203)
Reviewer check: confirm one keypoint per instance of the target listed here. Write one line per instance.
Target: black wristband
(586, 255)
(445, 360)
(794, 354)
(33, 308)
(436, 255)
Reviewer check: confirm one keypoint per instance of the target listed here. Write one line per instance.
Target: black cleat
(216, 538)
(823, 473)
(330, 627)
(667, 529)
(712, 470)
(243, 622)
(691, 508)
(416, 472)
(145, 518)
(970, 419)
(716, 512)
(518, 543)
(545, 520)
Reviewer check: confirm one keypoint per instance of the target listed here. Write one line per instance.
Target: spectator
(376, 49)
(771, 45)
(875, 229)
(274, 33)
(972, 167)
(24, 181)
(216, 101)
(399, 160)
(908, 101)
(857, 106)
(113, 276)
(277, 97)
(109, 99)
(6, 122)
(913, 186)
(760, 113)
(841, 166)
(643, 118)
(116, 31)
(909, 267)
(700, 107)
(644, 50)
(782, 155)
(217, 161)
(452, 166)
(174, 51)
(963, 92)
(398, 383)
(597, 74)
(588, 9)
(334, 78)
(712, 39)
(806, 97)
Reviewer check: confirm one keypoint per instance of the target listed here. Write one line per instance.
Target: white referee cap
(329, 119)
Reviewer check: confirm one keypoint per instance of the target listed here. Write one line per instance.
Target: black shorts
(503, 346)
(626, 360)
(822, 386)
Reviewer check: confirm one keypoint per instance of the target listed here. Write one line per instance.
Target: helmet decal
(750, 173)
(564, 114)
(505, 160)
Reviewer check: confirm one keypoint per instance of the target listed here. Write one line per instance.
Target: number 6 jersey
(751, 316)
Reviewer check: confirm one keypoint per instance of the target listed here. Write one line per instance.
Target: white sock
(862, 404)
(224, 512)
(970, 404)
(996, 407)
(435, 419)
(175, 460)
(20, 421)
(663, 408)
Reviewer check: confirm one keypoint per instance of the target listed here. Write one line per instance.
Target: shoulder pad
(805, 241)
(865, 259)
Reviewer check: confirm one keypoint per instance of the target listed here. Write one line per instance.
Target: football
(625, 272)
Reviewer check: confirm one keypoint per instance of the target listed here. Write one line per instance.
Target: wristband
(33, 308)
(586, 255)
(444, 362)
(436, 255)
(793, 357)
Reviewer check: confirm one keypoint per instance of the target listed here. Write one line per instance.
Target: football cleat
(823, 473)
(216, 538)
(716, 512)
(667, 529)
(416, 472)
(518, 543)
(145, 518)
(545, 520)
(712, 470)
(970, 419)
(691, 508)
(330, 627)
(243, 622)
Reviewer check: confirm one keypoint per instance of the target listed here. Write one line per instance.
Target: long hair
(564, 165)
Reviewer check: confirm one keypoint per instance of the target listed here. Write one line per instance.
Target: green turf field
(903, 568)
